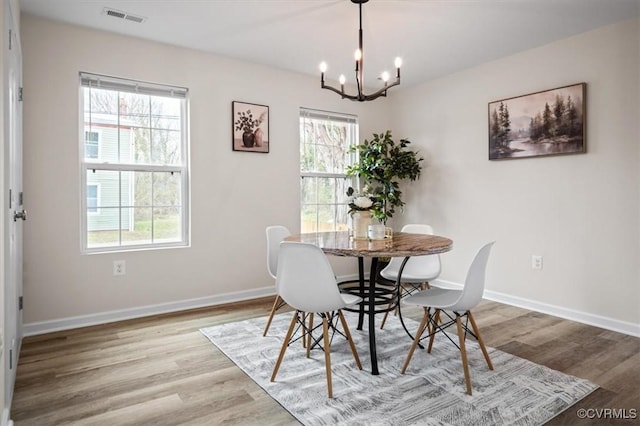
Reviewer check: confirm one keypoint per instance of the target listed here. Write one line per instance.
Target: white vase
(360, 221)
(258, 136)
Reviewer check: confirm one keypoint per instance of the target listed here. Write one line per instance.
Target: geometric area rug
(432, 392)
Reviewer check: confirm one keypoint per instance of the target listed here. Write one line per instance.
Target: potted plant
(383, 164)
(360, 206)
(251, 134)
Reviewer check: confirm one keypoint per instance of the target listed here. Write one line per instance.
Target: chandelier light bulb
(398, 62)
(342, 79)
(323, 67)
(358, 54)
(385, 76)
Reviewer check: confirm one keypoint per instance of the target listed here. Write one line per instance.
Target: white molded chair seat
(417, 272)
(434, 297)
(460, 302)
(275, 235)
(306, 282)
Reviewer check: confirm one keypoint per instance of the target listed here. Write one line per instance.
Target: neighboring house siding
(106, 218)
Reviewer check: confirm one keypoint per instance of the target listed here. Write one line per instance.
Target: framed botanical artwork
(551, 122)
(250, 127)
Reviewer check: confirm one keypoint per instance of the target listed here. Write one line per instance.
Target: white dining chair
(275, 235)
(306, 282)
(417, 272)
(460, 302)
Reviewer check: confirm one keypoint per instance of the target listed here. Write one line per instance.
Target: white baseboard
(623, 327)
(35, 328)
(32, 329)
(6, 421)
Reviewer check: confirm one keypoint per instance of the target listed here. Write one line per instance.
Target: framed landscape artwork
(250, 127)
(551, 122)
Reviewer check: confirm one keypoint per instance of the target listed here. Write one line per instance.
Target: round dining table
(375, 298)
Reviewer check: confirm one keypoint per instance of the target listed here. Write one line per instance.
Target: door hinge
(10, 359)
(20, 302)
(21, 198)
(10, 198)
(20, 98)
(10, 38)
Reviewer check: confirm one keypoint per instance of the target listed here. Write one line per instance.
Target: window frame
(93, 164)
(351, 158)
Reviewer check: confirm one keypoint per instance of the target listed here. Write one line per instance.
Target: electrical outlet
(119, 267)
(536, 262)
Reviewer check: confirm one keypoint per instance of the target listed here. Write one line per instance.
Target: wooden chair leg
(476, 330)
(347, 333)
(416, 340)
(463, 353)
(436, 318)
(430, 328)
(274, 308)
(384, 318)
(327, 350)
(309, 337)
(386, 314)
(285, 344)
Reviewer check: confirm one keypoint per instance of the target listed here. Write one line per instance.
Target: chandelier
(359, 57)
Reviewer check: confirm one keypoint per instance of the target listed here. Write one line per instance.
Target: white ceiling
(433, 37)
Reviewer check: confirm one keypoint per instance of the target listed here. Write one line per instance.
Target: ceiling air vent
(123, 15)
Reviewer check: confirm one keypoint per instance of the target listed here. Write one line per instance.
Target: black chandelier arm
(382, 91)
(339, 92)
(361, 97)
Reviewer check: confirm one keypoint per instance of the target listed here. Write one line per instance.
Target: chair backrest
(305, 278)
(424, 266)
(474, 283)
(275, 235)
(417, 228)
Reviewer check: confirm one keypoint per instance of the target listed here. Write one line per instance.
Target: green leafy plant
(246, 122)
(382, 164)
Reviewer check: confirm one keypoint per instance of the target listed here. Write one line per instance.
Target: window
(91, 144)
(325, 141)
(134, 157)
(92, 198)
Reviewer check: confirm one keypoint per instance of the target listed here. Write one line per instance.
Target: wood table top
(402, 244)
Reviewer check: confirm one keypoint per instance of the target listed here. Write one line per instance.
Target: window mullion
(90, 165)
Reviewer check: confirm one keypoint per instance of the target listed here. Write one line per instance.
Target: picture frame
(550, 122)
(249, 127)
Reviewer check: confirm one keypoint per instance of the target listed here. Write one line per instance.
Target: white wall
(234, 195)
(581, 212)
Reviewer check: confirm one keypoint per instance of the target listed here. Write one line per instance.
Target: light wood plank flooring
(161, 371)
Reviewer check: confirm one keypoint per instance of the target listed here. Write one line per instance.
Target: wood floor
(161, 371)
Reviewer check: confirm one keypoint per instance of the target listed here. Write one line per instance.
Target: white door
(14, 202)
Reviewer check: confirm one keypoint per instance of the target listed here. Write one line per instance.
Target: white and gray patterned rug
(432, 392)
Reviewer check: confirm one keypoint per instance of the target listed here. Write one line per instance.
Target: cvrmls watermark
(607, 413)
